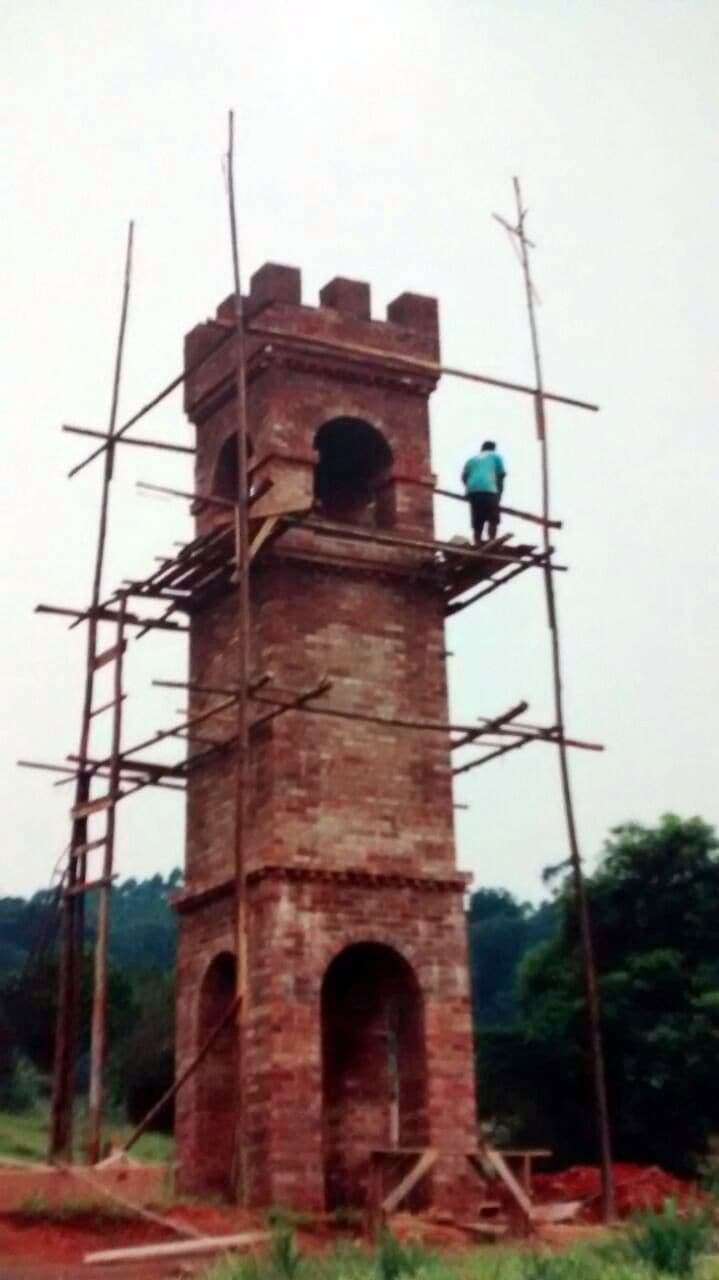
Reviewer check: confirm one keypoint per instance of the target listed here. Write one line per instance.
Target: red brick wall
(351, 836)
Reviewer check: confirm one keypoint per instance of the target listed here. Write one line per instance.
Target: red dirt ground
(638, 1188)
(33, 1248)
(60, 1246)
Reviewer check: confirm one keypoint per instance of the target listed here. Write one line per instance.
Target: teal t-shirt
(483, 472)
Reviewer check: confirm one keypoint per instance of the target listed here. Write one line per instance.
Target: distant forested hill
(142, 928)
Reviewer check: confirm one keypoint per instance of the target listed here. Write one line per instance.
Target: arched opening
(374, 1068)
(217, 1076)
(355, 463)
(224, 483)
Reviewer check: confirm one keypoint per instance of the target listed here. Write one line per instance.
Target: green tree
(142, 1067)
(654, 903)
(501, 930)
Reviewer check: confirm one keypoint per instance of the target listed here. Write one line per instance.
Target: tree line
(140, 1005)
(654, 901)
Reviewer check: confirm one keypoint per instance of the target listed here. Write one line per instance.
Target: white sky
(375, 141)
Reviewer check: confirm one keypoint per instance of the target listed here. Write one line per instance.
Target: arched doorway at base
(374, 1066)
(217, 1078)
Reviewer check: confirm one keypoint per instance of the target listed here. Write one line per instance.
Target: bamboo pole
(590, 974)
(500, 725)
(134, 440)
(61, 1127)
(177, 1084)
(414, 364)
(98, 1039)
(243, 669)
(506, 511)
(151, 404)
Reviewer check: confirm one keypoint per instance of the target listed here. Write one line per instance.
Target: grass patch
(38, 1209)
(394, 1261)
(24, 1136)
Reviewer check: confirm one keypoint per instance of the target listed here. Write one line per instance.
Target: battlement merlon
(274, 305)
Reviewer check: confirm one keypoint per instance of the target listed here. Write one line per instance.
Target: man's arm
(501, 475)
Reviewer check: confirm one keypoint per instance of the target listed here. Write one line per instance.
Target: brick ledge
(190, 899)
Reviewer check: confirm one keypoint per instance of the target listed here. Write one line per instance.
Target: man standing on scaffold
(483, 476)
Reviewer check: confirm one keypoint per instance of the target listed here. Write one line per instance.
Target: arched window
(355, 463)
(374, 1068)
(224, 483)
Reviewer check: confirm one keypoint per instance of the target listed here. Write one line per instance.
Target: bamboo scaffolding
(61, 1133)
(416, 365)
(518, 235)
(411, 363)
(504, 725)
(99, 1000)
(138, 443)
(243, 666)
(187, 372)
(506, 511)
(184, 1075)
(220, 561)
(473, 555)
(101, 614)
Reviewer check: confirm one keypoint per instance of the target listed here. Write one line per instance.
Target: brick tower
(358, 1035)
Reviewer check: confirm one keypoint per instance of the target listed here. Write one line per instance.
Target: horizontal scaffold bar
(138, 443)
(105, 614)
(413, 363)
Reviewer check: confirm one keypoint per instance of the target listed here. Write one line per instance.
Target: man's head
(489, 446)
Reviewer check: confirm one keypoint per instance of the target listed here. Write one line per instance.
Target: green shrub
(395, 1260)
(285, 1257)
(669, 1241)
(21, 1089)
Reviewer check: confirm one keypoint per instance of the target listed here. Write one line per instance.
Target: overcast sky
(375, 141)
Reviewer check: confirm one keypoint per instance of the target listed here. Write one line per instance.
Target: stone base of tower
(357, 1037)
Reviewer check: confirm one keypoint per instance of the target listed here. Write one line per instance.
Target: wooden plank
(285, 495)
(535, 1152)
(496, 1160)
(92, 806)
(485, 1229)
(418, 1171)
(473, 555)
(266, 529)
(109, 655)
(180, 1228)
(209, 1244)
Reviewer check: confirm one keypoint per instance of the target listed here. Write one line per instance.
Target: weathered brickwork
(358, 1029)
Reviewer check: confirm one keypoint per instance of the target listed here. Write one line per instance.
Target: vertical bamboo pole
(243, 667)
(590, 973)
(98, 1040)
(63, 1087)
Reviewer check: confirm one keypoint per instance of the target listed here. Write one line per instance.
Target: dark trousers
(485, 510)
